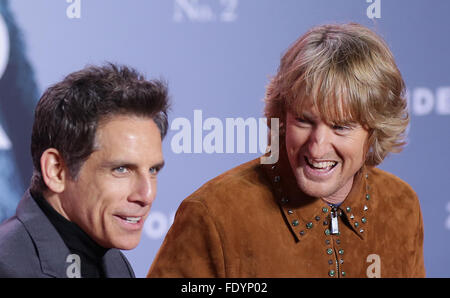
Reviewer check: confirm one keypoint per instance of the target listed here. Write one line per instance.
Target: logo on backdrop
(5, 142)
(157, 224)
(4, 46)
(205, 11)
(425, 101)
(18, 93)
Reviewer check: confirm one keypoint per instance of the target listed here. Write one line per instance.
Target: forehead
(331, 110)
(131, 138)
(331, 89)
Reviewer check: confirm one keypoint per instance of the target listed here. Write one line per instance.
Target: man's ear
(53, 170)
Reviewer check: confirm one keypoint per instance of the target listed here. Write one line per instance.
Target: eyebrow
(118, 163)
(159, 165)
(307, 116)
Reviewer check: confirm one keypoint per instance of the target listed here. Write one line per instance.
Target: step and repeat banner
(217, 57)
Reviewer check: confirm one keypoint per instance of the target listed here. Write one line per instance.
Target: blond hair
(348, 73)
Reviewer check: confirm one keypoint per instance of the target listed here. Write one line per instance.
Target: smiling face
(324, 158)
(114, 190)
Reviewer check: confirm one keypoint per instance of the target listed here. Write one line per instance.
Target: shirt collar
(305, 214)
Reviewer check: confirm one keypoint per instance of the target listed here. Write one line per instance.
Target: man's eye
(342, 127)
(121, 170)
(303, 121)
(154, 170)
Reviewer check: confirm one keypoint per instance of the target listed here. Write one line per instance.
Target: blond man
(323, 209)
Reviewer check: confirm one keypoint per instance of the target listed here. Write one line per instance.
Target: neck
(55, 201)
(339, 196)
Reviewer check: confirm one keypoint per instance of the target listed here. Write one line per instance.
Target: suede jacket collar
(305, 215)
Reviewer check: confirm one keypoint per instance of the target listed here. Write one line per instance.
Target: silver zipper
(334, 221)
(335, 231)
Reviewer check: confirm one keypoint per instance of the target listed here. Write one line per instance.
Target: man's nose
(319, 143)
(144, 190)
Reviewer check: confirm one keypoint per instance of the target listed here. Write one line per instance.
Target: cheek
(113, 194)
(105, 198)
(363, 145)
(355, 151)
(80, 199)
(154, 187)
(295, 138)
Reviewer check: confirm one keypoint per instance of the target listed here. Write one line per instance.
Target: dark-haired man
(96, 148)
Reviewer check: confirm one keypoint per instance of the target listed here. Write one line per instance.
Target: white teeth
(132, 219)
(323, 164)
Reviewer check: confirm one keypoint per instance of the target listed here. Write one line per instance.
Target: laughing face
(324, 158)
(114, 190)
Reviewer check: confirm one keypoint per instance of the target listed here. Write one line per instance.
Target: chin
(314, 189)
(315, 193)
(125, 243)
(128, 244)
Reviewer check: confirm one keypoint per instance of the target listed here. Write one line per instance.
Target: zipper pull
(334, 221)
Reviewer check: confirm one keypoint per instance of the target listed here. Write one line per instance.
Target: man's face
(324, 158)
(114, 190)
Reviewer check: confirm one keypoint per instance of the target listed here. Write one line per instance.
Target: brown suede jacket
(253, 221)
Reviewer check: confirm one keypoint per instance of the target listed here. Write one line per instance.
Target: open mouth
(321, 165)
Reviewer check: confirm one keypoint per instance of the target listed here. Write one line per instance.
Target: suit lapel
(116, 265)
(51, 249)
